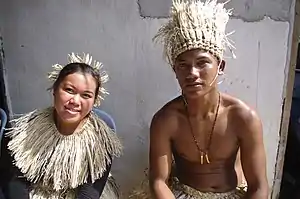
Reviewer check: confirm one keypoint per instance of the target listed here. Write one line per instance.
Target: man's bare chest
(220, 144)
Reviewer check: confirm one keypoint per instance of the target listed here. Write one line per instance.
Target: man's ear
(222, 67)
(173, 68)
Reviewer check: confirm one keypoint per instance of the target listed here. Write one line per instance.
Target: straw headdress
(195, 24)
(87, 59)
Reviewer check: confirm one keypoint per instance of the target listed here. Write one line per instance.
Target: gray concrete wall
(247, 10)
(38, 34)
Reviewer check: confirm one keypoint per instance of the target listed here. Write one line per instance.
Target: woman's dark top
(14, 187)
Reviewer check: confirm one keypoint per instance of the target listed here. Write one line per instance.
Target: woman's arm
(16, 188)
(94, 190)
(11, 184)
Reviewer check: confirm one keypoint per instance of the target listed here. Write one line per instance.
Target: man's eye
(182, 66)
(201, 64)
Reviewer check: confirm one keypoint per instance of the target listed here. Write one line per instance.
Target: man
(203, 129)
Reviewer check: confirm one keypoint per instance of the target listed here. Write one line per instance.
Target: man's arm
(239, 170)
(253, 157)
(160, 157)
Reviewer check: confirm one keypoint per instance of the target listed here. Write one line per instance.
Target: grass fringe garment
(56, 163)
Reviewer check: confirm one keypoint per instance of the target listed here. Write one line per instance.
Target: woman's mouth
(72, 110)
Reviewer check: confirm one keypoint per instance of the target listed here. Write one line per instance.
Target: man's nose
(193, 72)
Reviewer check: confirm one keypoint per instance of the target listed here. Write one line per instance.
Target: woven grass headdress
(87, 59)
(195, 24)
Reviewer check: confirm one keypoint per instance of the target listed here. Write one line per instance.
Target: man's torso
(219, 175)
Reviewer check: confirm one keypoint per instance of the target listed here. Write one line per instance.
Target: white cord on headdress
(216, 76)
(220, 82)
(87, 59)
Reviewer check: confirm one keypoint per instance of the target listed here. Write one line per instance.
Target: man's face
(196, 71)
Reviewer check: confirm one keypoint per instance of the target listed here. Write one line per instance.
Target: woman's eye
(69, 90)
(86, 96)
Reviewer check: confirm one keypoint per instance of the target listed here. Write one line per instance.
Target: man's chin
(195, 93)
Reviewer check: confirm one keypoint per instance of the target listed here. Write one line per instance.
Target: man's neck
(202, 106)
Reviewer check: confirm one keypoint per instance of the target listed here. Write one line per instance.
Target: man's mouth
(195, 84)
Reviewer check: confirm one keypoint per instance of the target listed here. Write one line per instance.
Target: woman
(66, 151)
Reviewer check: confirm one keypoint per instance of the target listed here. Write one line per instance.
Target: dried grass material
(195, 24)
(87, 59)
(54, 162)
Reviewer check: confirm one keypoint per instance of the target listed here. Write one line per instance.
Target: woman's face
(74, 97)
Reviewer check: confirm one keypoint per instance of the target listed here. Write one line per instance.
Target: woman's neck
(66, 128)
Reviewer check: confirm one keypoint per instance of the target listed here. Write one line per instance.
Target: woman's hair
(77, 68)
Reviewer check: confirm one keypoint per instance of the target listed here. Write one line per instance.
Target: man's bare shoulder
(239, 111)
(166, 119)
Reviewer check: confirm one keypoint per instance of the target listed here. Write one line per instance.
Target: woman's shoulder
(106, 134)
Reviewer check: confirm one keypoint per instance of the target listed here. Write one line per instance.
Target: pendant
(202, 156)
(207, 159)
